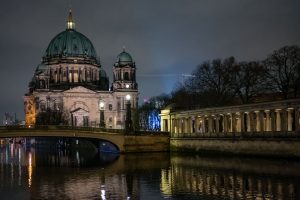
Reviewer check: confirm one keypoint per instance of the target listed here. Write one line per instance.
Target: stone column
(175, 125)
(185, 125)
(190, 122)
(233, 122)
(257, 128)
(238, 122)
(297, 126)
(217, 124)
(182, 125)
(248, 128)
(267, 125)
(278, 120)
(201, 122)
(290, 119)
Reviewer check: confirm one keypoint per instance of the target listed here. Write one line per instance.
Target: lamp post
(128, 122)
(101, 108)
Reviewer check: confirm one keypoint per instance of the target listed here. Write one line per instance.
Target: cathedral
(70, 87)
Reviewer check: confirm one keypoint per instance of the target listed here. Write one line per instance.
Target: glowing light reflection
(29, 170)
(103, 194)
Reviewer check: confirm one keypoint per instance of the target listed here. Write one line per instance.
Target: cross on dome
(70, 21)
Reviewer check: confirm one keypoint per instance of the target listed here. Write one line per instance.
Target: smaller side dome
(124, 58)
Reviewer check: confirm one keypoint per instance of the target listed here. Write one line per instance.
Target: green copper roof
(124, 58)
(70, 43)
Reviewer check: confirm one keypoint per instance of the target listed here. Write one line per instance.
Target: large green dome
(70, 43)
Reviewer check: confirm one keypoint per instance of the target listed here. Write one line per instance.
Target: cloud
(164, 37)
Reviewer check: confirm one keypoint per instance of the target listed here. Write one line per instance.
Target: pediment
(80, 89)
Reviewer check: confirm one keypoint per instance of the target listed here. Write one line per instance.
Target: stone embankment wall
(256, 147)
(146, 143)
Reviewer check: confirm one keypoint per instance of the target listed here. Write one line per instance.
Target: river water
(51, 173)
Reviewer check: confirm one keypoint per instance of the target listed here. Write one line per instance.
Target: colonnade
(262, 117)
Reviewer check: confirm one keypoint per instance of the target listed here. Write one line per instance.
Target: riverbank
(271, 147)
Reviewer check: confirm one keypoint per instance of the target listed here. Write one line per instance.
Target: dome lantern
(70, 21)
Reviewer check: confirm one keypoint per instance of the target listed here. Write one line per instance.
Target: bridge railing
(241, 135)
(59, 127)
(79, 128)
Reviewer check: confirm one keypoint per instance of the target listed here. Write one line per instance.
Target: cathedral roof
(70, 43)
(124, 58)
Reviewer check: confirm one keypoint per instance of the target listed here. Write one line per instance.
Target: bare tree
(214, 81)
(283, 70)
(249, 78)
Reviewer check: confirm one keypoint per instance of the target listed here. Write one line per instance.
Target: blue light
(154, 121)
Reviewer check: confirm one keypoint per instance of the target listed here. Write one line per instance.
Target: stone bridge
(138, 141)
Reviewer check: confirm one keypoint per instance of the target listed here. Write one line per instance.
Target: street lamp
(101, 108)
(128, 122)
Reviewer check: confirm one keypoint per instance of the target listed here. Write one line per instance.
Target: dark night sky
(166, 38)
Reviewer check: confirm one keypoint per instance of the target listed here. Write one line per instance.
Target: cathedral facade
(70, 87)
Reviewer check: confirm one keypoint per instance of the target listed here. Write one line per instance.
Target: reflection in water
(231, 178)
(42, 173)
(29, 169)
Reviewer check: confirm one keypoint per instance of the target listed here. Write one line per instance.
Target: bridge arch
(108, 147)
(113, 140)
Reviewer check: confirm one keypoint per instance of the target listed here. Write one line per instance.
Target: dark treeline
(222, 82)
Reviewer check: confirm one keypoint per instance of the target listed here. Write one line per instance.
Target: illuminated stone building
(272, 117)
(70, 87)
